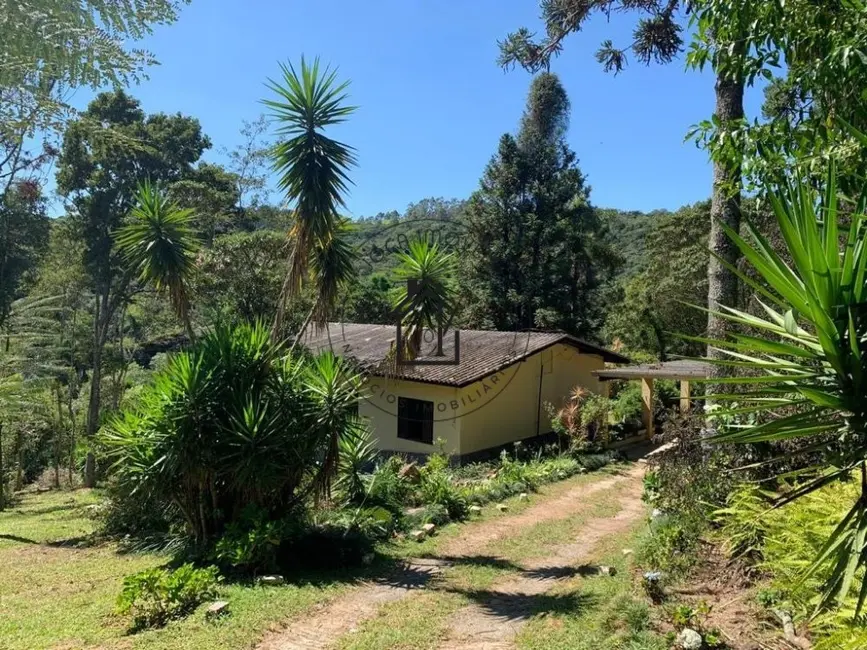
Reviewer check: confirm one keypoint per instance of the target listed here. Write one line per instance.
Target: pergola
(682, 370)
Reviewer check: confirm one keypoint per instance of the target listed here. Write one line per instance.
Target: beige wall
(499, 409)
(518, 410)
(380, 407)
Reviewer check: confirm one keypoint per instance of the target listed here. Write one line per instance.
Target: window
(415, 419)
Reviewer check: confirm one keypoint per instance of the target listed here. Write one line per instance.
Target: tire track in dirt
(323, 626)
(494, 620)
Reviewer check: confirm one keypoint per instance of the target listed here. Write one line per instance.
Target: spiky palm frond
(333, 266)
(313, 168)
(808, 355)
(427, 297)
(160, 244)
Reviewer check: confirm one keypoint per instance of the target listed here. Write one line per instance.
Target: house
(485, 391)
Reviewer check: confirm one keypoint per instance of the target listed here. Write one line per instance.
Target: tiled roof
(677, 369)
(481, 352)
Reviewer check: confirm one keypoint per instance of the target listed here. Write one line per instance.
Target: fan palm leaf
(160, 244)
(313, 168)
(427, 295)
(808, 355)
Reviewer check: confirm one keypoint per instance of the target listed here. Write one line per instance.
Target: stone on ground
(417, 535)
(217, 609)
(475, 510)
(502, 507)
(429, 529)
(410, 472)
(524, 496)
(689, 639)
(271, 581)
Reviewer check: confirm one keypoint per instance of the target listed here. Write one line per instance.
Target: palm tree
(806, 360)
(427, 297)
(313, 172)
(160, 244)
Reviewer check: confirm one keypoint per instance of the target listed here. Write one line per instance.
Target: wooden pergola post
(684, 396)
(647, 405)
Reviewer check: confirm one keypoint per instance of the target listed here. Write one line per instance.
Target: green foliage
(438, 488)
(234, 423)
(537, 256)
(806, 360)
(159, 243)
(357, 456)
(155, 596)
(313, 170)
(672, 545)
(252, 542)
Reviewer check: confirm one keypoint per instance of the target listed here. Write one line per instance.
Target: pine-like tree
(537, 258)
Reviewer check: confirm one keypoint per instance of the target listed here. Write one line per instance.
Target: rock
(475, 510)
(418, 535)
(429, 529)
(627, 551)
(502, 507)
(607, 570)
(657, 513)
(217, 609)
(410, 472)
(271, 581)
(689, 639)
(524, 496)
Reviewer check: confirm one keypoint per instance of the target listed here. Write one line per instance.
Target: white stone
(429, 528)
(475, 510)
(417, 535)
(656, 514)
(502, 507)
(627, 551)
(607, 570)
(217, 608)
(524, 496)
(271, 581)
(689, 639)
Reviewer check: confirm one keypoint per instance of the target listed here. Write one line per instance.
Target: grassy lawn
(58, 591)
(56, 594)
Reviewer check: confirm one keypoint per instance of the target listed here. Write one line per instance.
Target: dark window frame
(415, 420)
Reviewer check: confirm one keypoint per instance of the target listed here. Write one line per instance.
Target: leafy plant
(155, 596)
(807, 357)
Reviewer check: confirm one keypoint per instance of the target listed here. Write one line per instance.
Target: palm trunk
(725, 209)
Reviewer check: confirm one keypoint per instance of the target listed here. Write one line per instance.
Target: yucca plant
(426, 297)
(313, 168)
(160, 244)
(804, 363)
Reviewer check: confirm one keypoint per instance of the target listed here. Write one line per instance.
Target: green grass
(58, 591)
(57, 595)
(607, 613)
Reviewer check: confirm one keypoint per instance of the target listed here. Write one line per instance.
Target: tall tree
(657, 38)
(536, 258)
(106, 153)
(313, 172)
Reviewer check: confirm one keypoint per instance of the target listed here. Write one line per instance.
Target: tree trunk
(57, 437)
(725, 209)
(2, 473)
(94, 401)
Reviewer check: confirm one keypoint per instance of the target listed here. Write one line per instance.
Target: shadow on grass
(516, 607)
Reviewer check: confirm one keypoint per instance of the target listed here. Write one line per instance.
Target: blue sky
(432, 101)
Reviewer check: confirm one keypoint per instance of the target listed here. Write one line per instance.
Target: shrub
(252, 542)
(388, 489)
(234, 423)
(671, 545)
(155, 596)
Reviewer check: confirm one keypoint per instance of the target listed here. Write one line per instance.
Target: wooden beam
(647, 405)
(684, 396)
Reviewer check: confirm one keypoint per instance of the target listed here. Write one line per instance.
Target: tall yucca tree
(426, 298)
(313, 168)
(806, 360)
(160, 244)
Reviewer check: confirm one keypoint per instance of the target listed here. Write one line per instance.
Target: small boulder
(607, 570)
(524, 496)
(410, 473)
(217, 609)
(418, 535)
(502, 507)
(271, 581)
(627, 551)
(475, 510)
(689, 639)
(429, 528)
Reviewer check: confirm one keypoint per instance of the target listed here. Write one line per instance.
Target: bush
(438, 488)
(155, 596)
(252, 543)
(671, 545)
(233, 423)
